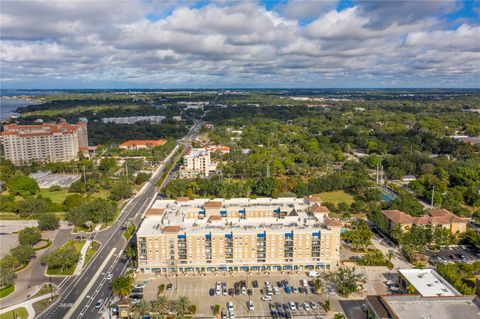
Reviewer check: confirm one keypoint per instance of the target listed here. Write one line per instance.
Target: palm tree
(122, 286)
(142, 307)
(160, 305)
(182, 306)
(131, 254)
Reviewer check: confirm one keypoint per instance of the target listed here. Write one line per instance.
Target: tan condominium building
(434, 217)
(238, 234)
(196, 163)
(48, 142)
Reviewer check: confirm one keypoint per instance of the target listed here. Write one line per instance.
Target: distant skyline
(250, 44)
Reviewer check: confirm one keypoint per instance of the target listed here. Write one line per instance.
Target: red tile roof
(332, 222)
(155, 211)
(183, 199)
(438, 216)
(143, 143)
(171, 229)
(212, 204)
(319, 209)
(214, 218)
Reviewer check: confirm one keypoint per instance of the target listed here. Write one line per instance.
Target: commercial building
(196, 162)
(48, 142)
(141, 144)
(415, 306)
(435, 217)
(154, 119)
(237, 234)
(428, 295)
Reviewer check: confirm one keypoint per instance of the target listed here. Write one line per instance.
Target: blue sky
(214, 44)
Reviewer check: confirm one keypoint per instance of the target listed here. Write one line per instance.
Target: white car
(292, 306)
(139, 286)
(267, 283)
(250, 306)
(244, 291)
(276, 291)
(313, 274)
(267, 298)
(230, 306)
(99, 303)
(109, 276)
(306, 305)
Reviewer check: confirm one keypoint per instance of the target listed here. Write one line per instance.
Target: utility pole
(84, 177)
(433, 193)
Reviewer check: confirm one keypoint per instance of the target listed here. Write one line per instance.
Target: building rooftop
(196, 152)
(438, 216)
(416, 307)
(178, 213)
(44, 129)
(428, 282)
(143, 143)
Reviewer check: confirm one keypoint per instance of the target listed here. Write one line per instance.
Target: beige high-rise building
(196, 162)
(48, 142)
(204, 235)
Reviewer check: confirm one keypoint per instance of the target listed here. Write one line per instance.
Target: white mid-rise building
(48, 142)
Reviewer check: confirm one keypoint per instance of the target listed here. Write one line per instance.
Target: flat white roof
(428, 282)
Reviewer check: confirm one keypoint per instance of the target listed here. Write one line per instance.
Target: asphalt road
(79, 294)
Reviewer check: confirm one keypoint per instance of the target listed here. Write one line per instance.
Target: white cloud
(234, 43)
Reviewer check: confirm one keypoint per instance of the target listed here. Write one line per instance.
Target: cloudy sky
(209, 44)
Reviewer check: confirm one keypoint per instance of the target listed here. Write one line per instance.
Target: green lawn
(10, 216)
(56, 197)
(91, 251)
(6, 291)
(68, 271)
(336, 197)
(19, 313)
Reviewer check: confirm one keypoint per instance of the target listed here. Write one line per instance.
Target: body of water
(9, 105)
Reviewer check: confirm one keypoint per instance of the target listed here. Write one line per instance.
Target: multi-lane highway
(80, 294)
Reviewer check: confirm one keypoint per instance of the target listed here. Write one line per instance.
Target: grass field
(6, 291)
(68, 271)
(56, 197)
(19, 313)
(336, 197)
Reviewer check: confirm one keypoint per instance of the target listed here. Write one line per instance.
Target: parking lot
(454, 254)
(201, 290)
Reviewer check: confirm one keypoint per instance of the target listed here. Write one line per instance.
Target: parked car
(306, 306)
(255, 284)
(231, 291)
(224, 291)
(276, 291)
(292, 306)
(250, 306)
(287, 290)
(244, 290)
(267, 298)
(313, 305)
(169, 287)
(249, 292)
(230, 306)
(211, 292)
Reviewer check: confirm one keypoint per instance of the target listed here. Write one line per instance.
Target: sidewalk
(83, 253)
(27, 305)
